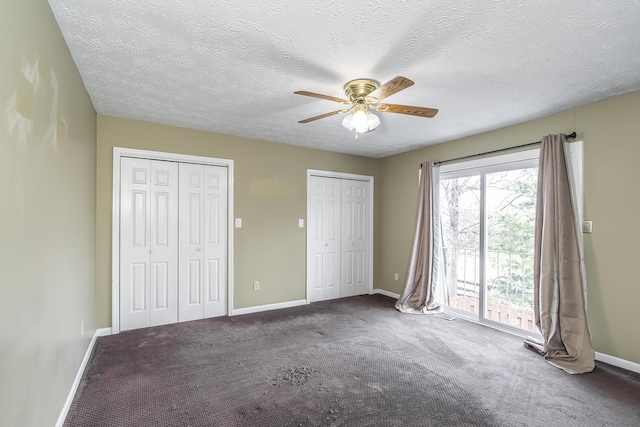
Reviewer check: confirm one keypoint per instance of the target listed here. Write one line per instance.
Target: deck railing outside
(509, 295)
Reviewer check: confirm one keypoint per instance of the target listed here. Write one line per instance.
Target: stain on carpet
(294, 376)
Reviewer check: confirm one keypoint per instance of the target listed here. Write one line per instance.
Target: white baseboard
(267, 307)
(277, 306)
(74, 387)
(387, 293)
(103, 332)
(620, 363)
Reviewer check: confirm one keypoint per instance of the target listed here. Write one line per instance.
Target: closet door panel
(148, 243)
(355, 238)
(203, 247)
(190, 289)
(135, 229)
(215, 241)
(164, 243)
(323, 256)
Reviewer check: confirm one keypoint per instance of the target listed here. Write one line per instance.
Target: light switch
(301, 223)
(587, 226)
(238, 222)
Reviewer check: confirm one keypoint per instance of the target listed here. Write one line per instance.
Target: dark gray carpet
(349, 362)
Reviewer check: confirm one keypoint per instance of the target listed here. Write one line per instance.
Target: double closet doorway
(172, 238)
(339, 235)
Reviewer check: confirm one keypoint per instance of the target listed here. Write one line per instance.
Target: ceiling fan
(365, 95)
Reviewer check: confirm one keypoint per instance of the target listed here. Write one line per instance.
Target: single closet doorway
(171, 238)
(339, 235)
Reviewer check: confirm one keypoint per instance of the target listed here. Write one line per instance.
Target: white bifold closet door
(338, 238)
(203, 241)
(173, 242)
(148, 243)
(355, 241)
(324, 238)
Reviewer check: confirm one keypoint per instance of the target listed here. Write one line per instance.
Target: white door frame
(340, 175)
(119, 152)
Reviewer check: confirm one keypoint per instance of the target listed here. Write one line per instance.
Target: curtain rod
(569, 136)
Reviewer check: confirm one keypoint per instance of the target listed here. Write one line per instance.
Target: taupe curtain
(559, 281)
(419, 294)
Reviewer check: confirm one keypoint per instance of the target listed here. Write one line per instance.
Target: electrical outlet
(256, 286)
(82, 328)
(395, 276)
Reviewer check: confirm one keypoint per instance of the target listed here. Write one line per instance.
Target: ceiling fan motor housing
(357, 90)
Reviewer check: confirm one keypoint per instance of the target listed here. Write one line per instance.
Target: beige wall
(611, 134)
(269, 196)
(47, 219)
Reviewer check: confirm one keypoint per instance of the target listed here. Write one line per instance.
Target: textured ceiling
(231, 66)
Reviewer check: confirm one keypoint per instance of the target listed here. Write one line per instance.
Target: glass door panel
(510, 213)
(460, 218)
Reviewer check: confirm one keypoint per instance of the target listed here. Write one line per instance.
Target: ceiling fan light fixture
(372, 121)
(347, 122)
(361, 120)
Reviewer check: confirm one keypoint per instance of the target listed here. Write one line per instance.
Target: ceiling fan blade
(321, 96)
(322, 116)
(408, 109)
(394, 85)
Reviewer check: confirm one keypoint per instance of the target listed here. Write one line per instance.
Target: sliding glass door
(488, 213)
